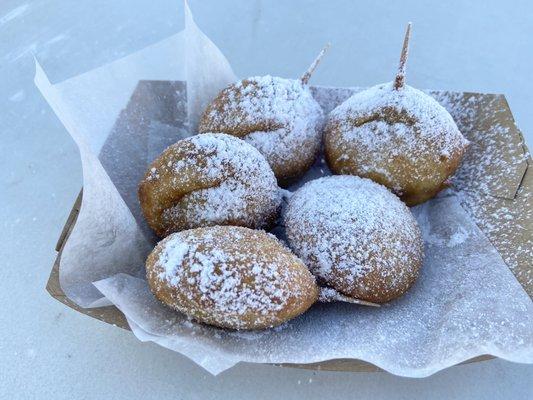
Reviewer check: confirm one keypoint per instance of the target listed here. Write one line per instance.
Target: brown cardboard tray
(511, 191)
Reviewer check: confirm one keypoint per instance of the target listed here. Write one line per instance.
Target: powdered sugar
(222, 268)
(465, 303)
(419, 127)
(277, 116)
(457, 238)
(353, 227)
(493, 182)
(221, 179)
(495, 156)
(172, 256)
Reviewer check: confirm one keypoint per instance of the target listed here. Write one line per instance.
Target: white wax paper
(110, 235)
(466, 302)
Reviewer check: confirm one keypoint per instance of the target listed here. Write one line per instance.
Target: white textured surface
(484, 46)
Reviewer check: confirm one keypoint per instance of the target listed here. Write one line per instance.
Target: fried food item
(355, 236)
(211, 179)
(397, 136)
(277, 116)
(230, 277)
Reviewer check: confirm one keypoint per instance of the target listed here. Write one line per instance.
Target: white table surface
(49, 351)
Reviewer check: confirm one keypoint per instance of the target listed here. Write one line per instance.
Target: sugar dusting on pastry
(347, 228)
(241, 173)
(226, 274)
(401, 137)
(423, 127)
(210, 270)
(277, 116)
(217, 179)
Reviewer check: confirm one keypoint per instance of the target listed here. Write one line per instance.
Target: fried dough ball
(401, 138)
(355, 236)
(397, 136)
(230, 277)
(277, 116)
(211, 179)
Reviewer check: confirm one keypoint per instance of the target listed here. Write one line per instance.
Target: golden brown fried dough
(211, 179)
(402, 139)
(397, 136)
(355, 236)
(230, 277)
(277, 116)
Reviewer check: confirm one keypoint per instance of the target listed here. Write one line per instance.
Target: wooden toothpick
(330, 295)
(400, 76)
(305, 77)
